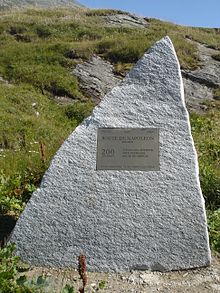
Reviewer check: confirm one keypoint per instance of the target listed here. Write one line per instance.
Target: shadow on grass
(7, 224)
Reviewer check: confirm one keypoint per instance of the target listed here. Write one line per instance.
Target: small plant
(14, 30)
(34, 285)
(82, 272)
(10, 282)
(68, 289)
(43, 31)
(8, 269)
(16, 190)
(42, 149)
(102, 285)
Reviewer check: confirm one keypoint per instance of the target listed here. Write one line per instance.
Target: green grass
(206, 133)
(23, 134)
(103, 12)
(214, 229)
(207, 36)
(31, 33)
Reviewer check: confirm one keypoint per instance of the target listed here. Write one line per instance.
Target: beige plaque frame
(128, 149)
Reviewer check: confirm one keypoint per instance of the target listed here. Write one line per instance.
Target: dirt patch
(204, 280)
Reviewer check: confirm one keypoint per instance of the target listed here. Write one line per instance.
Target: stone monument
(124, 188)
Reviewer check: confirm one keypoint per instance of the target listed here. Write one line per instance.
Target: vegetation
(216, 57)
(10, 282)
(38, 50)
(104, 12)
(13, 279)
(206, 134)
(217, 94)
(214, 229)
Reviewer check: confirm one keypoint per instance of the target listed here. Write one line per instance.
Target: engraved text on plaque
(128, 149)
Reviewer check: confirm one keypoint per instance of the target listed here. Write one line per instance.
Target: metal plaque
(128, 149)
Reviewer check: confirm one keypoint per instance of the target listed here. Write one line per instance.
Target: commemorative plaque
(128, 149)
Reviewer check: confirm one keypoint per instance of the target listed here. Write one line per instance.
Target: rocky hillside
(57, 63)
(6, 4)
(97, 77)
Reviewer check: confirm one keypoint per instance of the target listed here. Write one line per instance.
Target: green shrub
(122, 49)
(8, 269)
(125, 53)
(43, 31)
(16, 190)
(14, 30)
(78, 111)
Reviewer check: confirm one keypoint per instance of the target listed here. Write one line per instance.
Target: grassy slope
(35, 46)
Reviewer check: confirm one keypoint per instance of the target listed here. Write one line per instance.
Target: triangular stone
(120, 219)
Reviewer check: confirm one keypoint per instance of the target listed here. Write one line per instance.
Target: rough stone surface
(125, 20)
(195, 95)
(123, 220)
(96, 77)
(207, 79)
(199, 84)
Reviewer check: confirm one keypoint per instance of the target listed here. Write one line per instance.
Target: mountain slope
(55, 64)
(6, 4)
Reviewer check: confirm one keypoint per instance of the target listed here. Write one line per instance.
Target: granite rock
(200, 84)
(206, 79)
(123, 220)
(96, 78)
(125, 20)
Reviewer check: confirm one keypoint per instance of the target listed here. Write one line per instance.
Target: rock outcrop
(96, 78)
(125, 20)
(199, 84)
